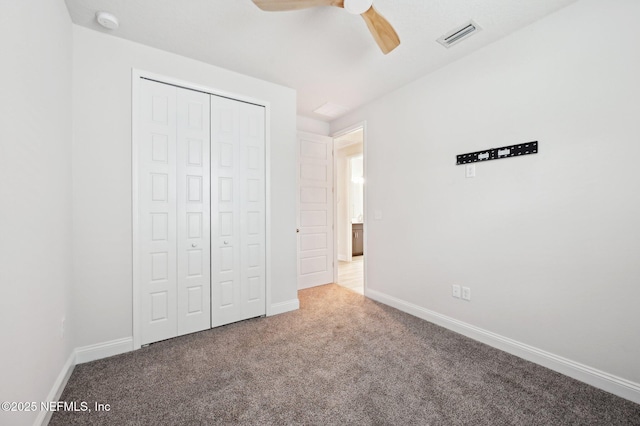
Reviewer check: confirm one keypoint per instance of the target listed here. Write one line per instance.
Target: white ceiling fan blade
(381, 29)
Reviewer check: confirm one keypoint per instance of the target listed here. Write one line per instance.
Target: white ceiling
(325, 53)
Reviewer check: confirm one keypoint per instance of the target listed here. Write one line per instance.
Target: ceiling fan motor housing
(357, 7)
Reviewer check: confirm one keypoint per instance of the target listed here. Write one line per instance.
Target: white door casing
(315, 210)
(337, 135)
(238, 211)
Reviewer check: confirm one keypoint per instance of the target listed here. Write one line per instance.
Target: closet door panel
(193, 211)
(157, 211)
(200, 199)
(252, 210)
(238, 210)
(225, 222)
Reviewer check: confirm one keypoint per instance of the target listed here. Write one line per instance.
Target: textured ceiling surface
(324, 53)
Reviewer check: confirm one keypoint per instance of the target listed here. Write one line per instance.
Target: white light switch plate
(470, 170)
(466, 293)
(455, 291)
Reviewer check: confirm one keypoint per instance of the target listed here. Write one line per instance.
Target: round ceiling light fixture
(107, 20)
(357, 7)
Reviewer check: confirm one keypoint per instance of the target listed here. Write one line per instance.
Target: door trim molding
(136, 76)
(359, 125)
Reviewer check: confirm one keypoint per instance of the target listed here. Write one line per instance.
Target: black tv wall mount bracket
(498, 153)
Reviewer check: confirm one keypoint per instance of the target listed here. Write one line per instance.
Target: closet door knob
(226, 242)
(194, 245)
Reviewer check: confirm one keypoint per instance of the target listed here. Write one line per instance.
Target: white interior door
(201, 211)
(252, 211)
(157, 211)
(173, 205)
(193, 212)
(238, 211)
(315, 210)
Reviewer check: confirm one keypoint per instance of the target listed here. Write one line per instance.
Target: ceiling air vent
(331, 110)
(457, 35)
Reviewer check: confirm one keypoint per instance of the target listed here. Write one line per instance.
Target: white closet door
(252, 211)
(174, 208)
(238, 211)
(157, 211)
(225, 225)
(193, 212)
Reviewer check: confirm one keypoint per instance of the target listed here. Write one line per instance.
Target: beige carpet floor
(340, 359)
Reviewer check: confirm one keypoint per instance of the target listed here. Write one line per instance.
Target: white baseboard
(343, 257)
(44, 416)
(304, 287)
(282, 307)
(592, 376)
(103, 350)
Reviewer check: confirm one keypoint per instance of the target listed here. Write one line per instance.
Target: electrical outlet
(455, 291)
(466, 293)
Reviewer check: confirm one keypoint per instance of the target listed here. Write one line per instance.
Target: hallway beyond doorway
(351, 274)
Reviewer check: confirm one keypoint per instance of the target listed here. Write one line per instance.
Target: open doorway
(349, 207)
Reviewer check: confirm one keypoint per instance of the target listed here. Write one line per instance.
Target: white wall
(310, 125)
(550, 243)
(102, 174)
(356, 209)
(343, 219)
(35, 192)
(344, 196)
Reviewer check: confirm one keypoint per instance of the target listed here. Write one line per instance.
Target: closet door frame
(136, 76)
